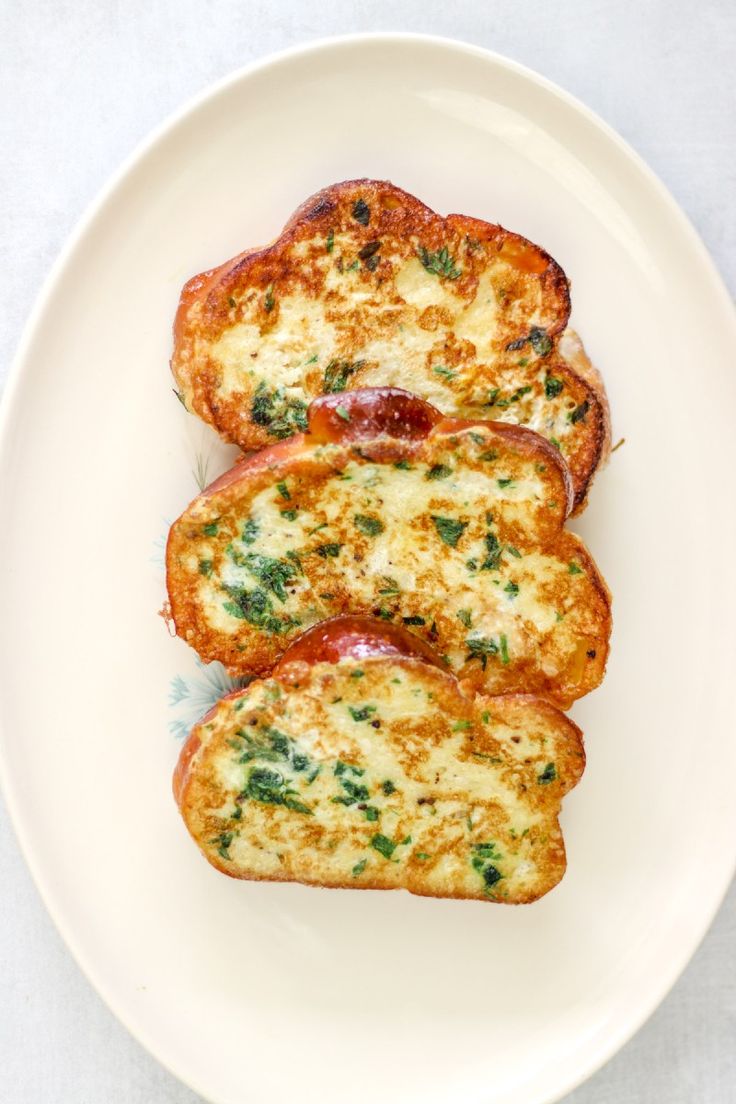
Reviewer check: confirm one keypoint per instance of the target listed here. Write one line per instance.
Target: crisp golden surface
(380, 773)
(456, 534)
(368, 287)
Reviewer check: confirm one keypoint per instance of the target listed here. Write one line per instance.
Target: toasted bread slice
(368, 287)
(451, 527)
(360, 763)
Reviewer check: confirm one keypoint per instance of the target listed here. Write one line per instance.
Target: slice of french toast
(452, 527)
(359, 762)
(366, 287)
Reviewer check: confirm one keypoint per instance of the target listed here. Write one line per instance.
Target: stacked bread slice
(392, 562)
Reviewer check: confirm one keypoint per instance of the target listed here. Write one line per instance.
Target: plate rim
(10, 398)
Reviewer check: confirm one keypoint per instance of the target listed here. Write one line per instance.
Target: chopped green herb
(368, 254)
(439, 263)
(481, 647)
(552, 386)
(223, 840)
(446, 373)
(392, 587)
(290, 515)
(273, 574)
(383, 845)
(342, 413)
(491, 875)
(269, 301)
(578, 414)
(486, 850)
(337, 374)
(403, 465)
(357, 673)
(232, 302)
(574, 569)
(481, 854)
(330, 242)
(270, 787)
(549, 774)
(449, 530)
(505, 483)
(438, 471)
(295, 558)
(513, 551)
(422, 855)
(371, 526)
(363, 713)
(359, 867)
(205, 567)
(388, 787)
(250, 531)
(255, 607)
(210, 529)
(493, 556)
(490, 455)
(511, 588)
(462, 726)
(504, 649)
(466, 617)
(414, 619)
(556, 443)
(371, 813)
(540, 341)
(485, 716)
(354, 792)
(328, 550)
(361, 212)
(279, 414)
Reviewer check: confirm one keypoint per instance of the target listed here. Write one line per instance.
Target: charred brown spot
(322, 207)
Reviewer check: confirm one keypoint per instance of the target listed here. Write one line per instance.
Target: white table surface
(82, 82)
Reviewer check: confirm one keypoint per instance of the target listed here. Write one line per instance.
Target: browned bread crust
(359, 763)
(451, 527)
(366, 286)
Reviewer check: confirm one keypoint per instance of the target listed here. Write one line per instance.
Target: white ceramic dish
(272, 993)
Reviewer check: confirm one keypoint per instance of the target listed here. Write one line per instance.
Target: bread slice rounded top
(453, 528)
(361, 763)
(366, 286)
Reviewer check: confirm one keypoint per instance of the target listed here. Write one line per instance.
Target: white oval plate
(276, 992)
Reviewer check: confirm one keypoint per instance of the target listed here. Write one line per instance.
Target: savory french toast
(367, 287)
(451, 527)
(359, 762)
